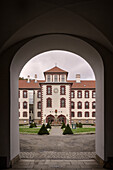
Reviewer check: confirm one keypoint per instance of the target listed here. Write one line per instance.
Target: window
(39, 94)
(19, 105)
(86, 94)
(93, 105)
(62, 102)
(24, 105)
(48, 78)
(24, 114)
(79, 105)
(93, 94)
(72, 114)
(39, 114)
(49, 90)
(55, 78)
(62, 90)
(19, 93)
(86, 105)
(79, 114)
(86, 114)
(49, 102)
(39, 105)
(63, 78)
(24, 94)
(79, 94)
(93, 114)
(19, 114)
(72, 105)
(72, 94)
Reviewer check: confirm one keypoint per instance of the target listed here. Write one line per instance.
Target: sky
(65, 60)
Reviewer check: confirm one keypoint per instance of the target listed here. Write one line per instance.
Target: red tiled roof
(84, 84)
(24, 84)
(55, 70)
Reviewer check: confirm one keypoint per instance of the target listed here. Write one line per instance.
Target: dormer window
(56, 78)
(63, 78)
(48, 78)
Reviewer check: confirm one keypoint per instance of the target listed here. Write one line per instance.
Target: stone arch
(51, 118)
(57, 42)
(62, 120)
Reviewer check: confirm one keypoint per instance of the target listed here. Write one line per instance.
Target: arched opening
(61, 119)
(50, 119)
(74, 45)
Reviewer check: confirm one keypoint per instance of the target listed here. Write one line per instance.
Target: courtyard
(57, 151)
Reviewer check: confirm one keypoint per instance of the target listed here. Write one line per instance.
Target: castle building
(57, 99)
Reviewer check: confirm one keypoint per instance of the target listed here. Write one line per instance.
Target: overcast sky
(68, 61)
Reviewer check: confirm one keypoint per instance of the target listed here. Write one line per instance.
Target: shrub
(63, 125)
(48, 126)
(67, 130)
(43, 130)
(32, 125)
(80, 125)
(76, 124)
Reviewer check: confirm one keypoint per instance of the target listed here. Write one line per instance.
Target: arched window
(49, 90)
(62, 90)
(62, 102)
(79, 114)
(72, 114)
(24, 94)
(86, 114)
(86, 105)
(79, 94)
(24, 105)
(72, 94)
(86, 94)
(38, 114)
(93, 94)
(49, 102)
(39, 105)
(93, 114)
(19, 94)
(72, 105)
(24, 114)
(79, 105)
(39, 94)
(93, 105)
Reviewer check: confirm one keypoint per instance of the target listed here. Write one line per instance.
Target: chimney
(35, 78)
(28, 80)
(78, 78)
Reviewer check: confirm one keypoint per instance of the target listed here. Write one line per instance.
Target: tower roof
(56, 70)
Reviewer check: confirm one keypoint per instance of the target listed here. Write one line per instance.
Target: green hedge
(63, 125)
(43, 130)
(32, 125)
(67, 130)
(48, 126)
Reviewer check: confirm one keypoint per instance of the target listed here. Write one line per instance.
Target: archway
(57, 42)
(61, 119)
(50, 119)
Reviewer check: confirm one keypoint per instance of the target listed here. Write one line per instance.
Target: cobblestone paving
(24, 164)
(56, 131)
(58, 155)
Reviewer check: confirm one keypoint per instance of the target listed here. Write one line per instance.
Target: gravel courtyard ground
(68, 143)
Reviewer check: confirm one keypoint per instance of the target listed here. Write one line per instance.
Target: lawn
(80, 130)
(26, 129)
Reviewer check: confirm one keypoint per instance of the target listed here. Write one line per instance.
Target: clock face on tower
(55, 90)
